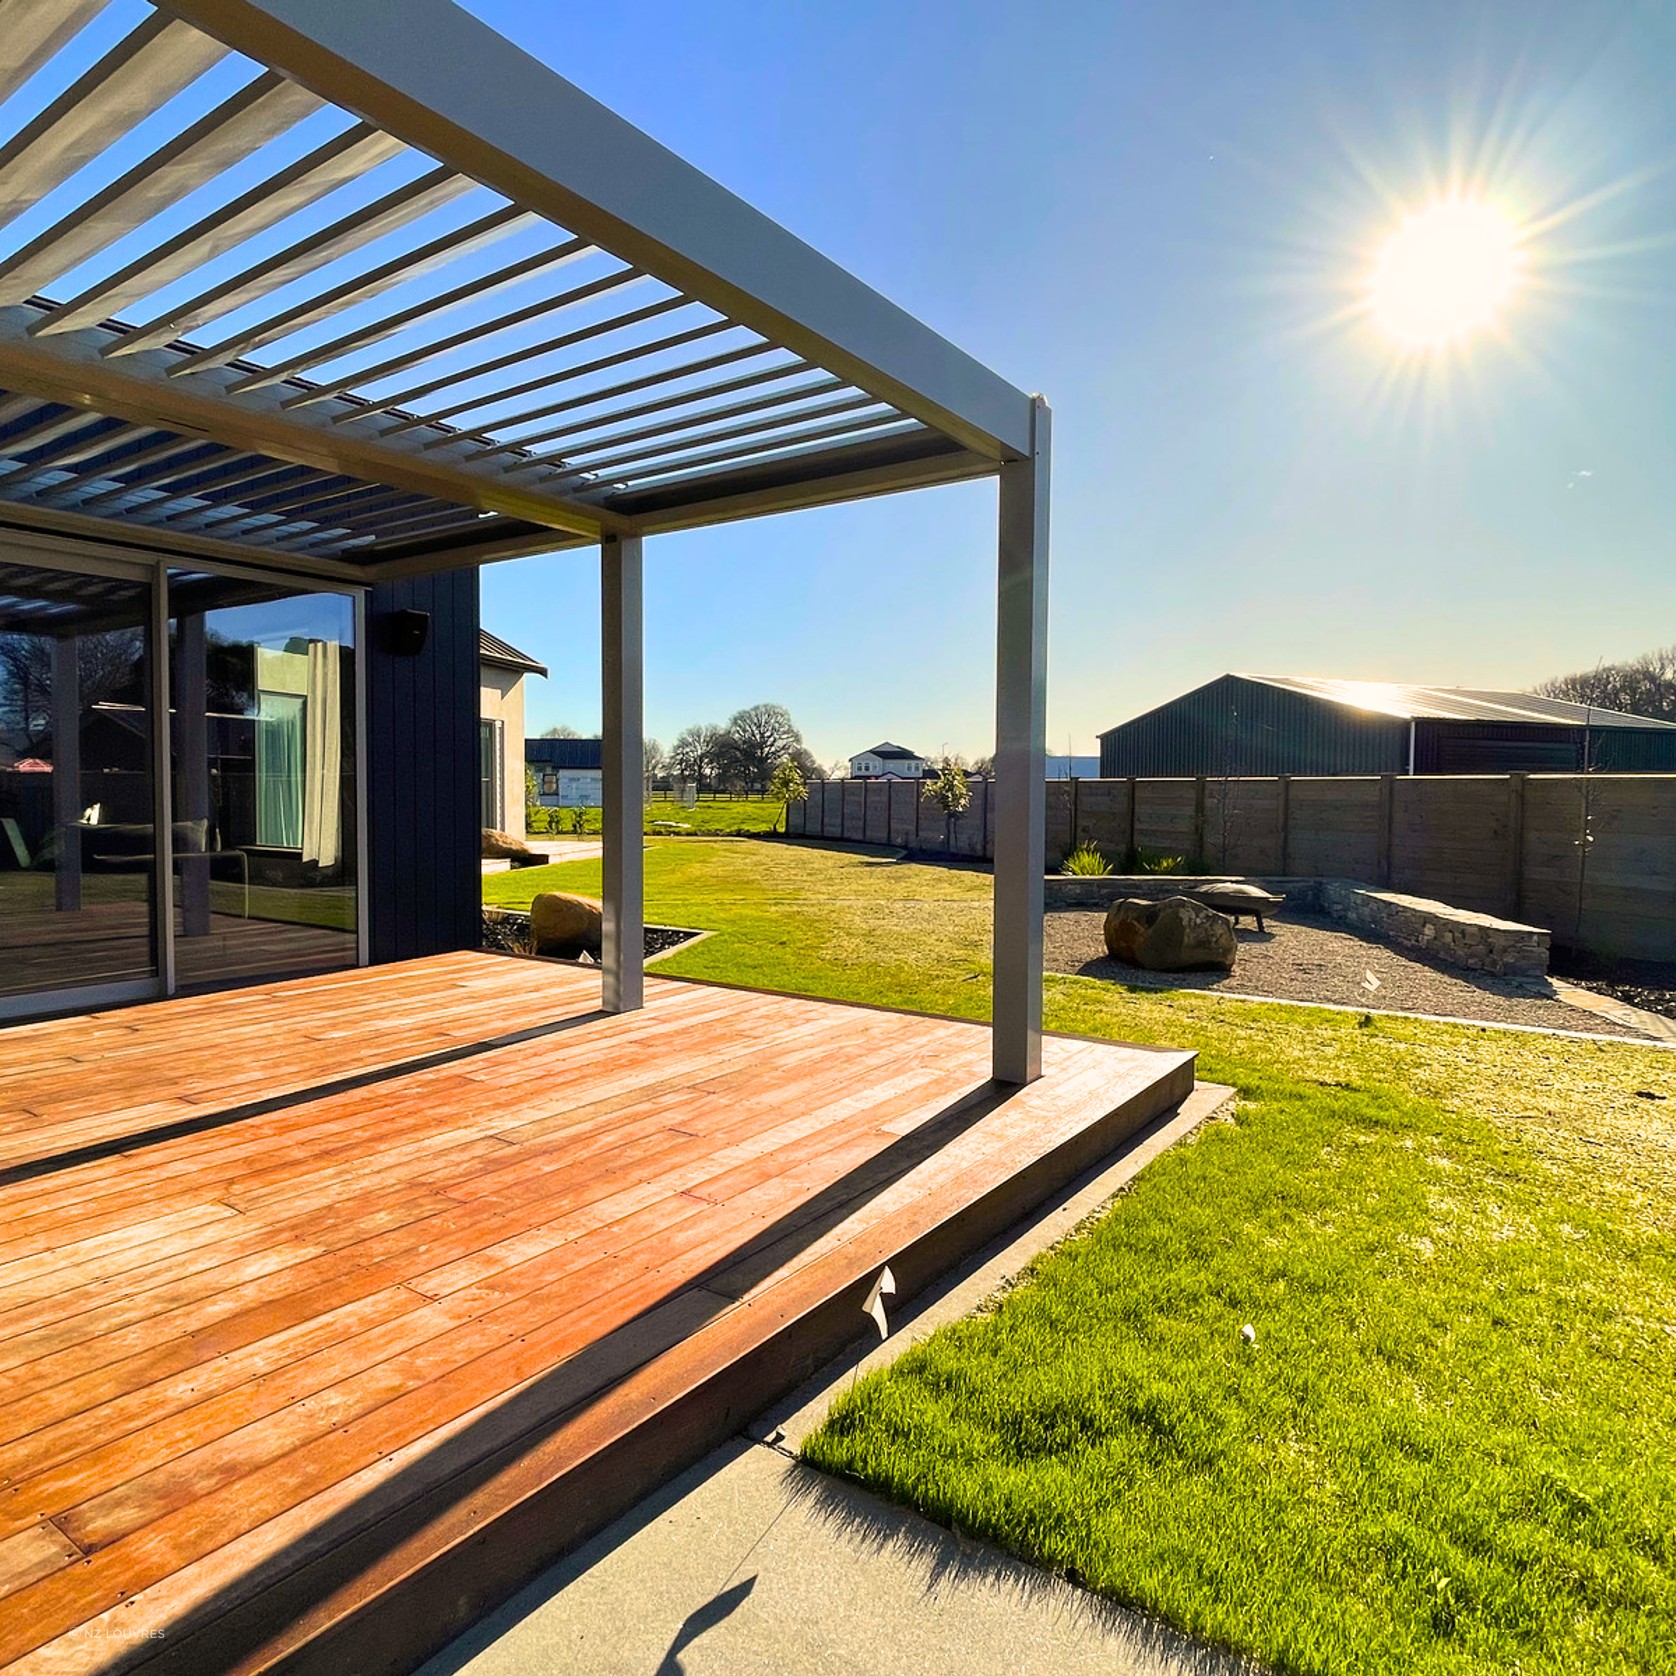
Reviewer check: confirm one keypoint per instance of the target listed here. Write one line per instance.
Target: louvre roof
(1459, 704)
(365, 288)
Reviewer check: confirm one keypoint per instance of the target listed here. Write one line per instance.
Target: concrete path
(752, 1565)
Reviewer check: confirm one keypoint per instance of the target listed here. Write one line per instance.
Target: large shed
(1293, 724)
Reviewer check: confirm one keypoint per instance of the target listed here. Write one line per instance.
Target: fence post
(1387, 813)
(1516, 842)
(1076, 809)
(1200, 861)
(1283, 810)
(1130, 857)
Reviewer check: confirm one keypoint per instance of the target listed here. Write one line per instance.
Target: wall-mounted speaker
(409, 630)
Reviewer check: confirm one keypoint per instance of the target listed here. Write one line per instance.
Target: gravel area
(1302, 957)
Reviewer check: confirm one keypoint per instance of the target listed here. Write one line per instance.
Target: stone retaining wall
(1455, 936)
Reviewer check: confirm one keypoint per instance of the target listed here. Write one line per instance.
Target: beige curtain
(323, 756)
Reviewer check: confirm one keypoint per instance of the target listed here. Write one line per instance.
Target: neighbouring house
(569, 773)
(502, 671)
(887, 762)
(1288, 724)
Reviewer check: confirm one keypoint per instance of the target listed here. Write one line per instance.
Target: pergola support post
(1021, 757)
(623, 952)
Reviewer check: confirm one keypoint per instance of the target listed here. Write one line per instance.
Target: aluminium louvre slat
(388, 523)
(170, 479)
(710, 416)
(375, 331)
(147, 464)
(256, 469)
(240, 125)
(88, 440)
(344, 157)
(31, 31)
(404, 204)
(559, 376)
(45, 430)
(358, 289)
(646, 381)
(420, 353)
(683, 398)
(260, 470)
(797, 442)
(667, 448)
(361, 497)
(522, 356)
(138, 76)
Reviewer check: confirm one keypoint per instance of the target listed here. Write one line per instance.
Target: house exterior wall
(576, 788)
(869, 767)
(424, 882)
(500, 699)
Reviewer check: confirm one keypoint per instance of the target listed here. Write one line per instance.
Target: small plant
(1161, 863)
(537, 819)
(1087, 861)
(787, 786)
(578, 822)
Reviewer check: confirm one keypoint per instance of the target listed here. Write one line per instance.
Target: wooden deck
(331, 1310)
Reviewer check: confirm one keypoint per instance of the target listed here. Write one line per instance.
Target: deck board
(248, 1371)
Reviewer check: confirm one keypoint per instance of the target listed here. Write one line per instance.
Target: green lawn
(1451, 1447)
(723, 817)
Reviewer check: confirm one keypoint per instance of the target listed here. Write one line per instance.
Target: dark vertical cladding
(422, 769)
(1232, 726)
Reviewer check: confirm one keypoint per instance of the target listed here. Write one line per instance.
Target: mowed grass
(1450, 1447)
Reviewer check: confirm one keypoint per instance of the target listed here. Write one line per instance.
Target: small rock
(1248, 1333)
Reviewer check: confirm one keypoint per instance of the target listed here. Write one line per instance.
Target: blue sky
(1155, 214)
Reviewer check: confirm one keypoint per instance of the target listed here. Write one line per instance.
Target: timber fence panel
(1450, 838)
(855, 808)
(1333, 827)
(1164, 818)
(875, 812)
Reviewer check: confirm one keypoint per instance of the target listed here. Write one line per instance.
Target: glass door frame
(67, 553)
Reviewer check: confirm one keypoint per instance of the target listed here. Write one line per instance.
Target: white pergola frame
(314, 478)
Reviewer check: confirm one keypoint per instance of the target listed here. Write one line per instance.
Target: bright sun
(1445, 272)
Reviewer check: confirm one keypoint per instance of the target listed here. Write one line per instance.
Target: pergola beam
(429, 73)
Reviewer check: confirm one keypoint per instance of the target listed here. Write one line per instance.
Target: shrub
(1087, 860)
(1162, 863)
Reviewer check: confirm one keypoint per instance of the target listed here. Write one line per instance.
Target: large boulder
(502, 846)
(566, 925)
(1175, 935)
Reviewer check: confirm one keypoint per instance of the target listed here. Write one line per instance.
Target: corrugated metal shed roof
(1457, 704)
(492, 649)
(564, 753)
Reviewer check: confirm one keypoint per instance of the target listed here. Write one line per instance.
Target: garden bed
(1307, 957)
(1648, 984)
(507, 931)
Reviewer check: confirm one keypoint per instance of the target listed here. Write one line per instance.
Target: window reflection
(263, 759)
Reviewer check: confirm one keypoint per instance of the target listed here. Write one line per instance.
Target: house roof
(888, 752)
(492, 649)
(369, 290)
(564, 753)
(1455, 704)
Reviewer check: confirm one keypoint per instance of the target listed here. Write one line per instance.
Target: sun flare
(1445, 273)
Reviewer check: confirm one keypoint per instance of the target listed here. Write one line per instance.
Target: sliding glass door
(262, 763)
(78, 867)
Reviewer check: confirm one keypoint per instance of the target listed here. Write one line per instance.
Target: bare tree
(654, 759)
(110, 668)
(1642, 686)
(697, 752)
(559, 730)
